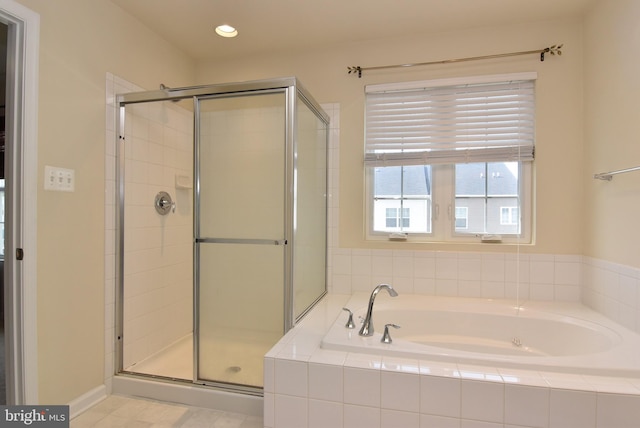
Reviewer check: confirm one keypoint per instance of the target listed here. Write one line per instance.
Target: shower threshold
(187, 393)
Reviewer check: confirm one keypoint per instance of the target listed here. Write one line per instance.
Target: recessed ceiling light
(226, 31)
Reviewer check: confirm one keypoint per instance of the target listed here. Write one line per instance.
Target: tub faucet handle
(386, 337)
(350, 323)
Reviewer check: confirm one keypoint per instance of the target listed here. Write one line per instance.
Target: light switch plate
(59, 179)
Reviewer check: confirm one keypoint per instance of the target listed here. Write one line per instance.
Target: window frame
(525, 204)
(443, 210)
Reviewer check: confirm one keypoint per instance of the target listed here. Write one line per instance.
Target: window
(508, 215)
(450, 159)
(484, 189)
(462, 217)
(406, 190)
(395, 221)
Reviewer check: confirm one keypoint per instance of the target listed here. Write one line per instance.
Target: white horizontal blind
(480, 122)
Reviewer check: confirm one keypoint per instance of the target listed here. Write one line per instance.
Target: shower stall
(221, 227)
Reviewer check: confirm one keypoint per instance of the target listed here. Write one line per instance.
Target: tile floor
(134, 412)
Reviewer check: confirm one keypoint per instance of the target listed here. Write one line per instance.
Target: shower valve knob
(164, 203)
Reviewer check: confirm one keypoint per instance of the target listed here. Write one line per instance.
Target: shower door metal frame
(292, 88)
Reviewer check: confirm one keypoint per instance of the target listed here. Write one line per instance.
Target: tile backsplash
(609, 288)
(462, 274)
(613, 290)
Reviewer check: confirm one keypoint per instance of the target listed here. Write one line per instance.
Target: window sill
(461, 240)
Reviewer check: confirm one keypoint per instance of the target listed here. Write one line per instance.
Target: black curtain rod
(553, 50)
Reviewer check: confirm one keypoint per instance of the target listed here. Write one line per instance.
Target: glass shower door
(239, 225)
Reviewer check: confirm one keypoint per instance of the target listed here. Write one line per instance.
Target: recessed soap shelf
(184, 182)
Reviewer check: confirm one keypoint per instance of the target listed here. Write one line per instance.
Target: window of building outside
(509, 215)
(450, 160)
(462, 218)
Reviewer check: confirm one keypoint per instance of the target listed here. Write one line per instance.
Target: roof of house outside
(501, 179)
(471, 179)
(416, 180)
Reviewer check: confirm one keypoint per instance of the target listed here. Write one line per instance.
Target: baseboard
(86, 400)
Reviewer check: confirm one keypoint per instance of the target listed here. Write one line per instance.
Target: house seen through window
(402, 199)
(489, 194)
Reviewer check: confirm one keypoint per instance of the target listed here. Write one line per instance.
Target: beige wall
(80, 42)
(559, 162)
(612, 126)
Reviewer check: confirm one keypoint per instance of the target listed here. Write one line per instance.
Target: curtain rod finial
(355, 69)
(553, 50)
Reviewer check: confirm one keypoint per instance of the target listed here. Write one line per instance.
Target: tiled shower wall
(158, 254)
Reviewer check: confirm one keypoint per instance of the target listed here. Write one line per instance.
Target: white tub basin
(533, 335)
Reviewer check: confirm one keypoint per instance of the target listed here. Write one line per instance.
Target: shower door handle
(241, 241)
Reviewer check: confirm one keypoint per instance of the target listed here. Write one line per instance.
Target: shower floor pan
(232, 361)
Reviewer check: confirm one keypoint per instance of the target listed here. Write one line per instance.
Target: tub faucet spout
(367, 325)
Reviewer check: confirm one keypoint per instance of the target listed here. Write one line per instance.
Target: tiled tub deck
(309, 387)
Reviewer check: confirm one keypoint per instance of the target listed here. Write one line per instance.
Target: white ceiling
(283, 25)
